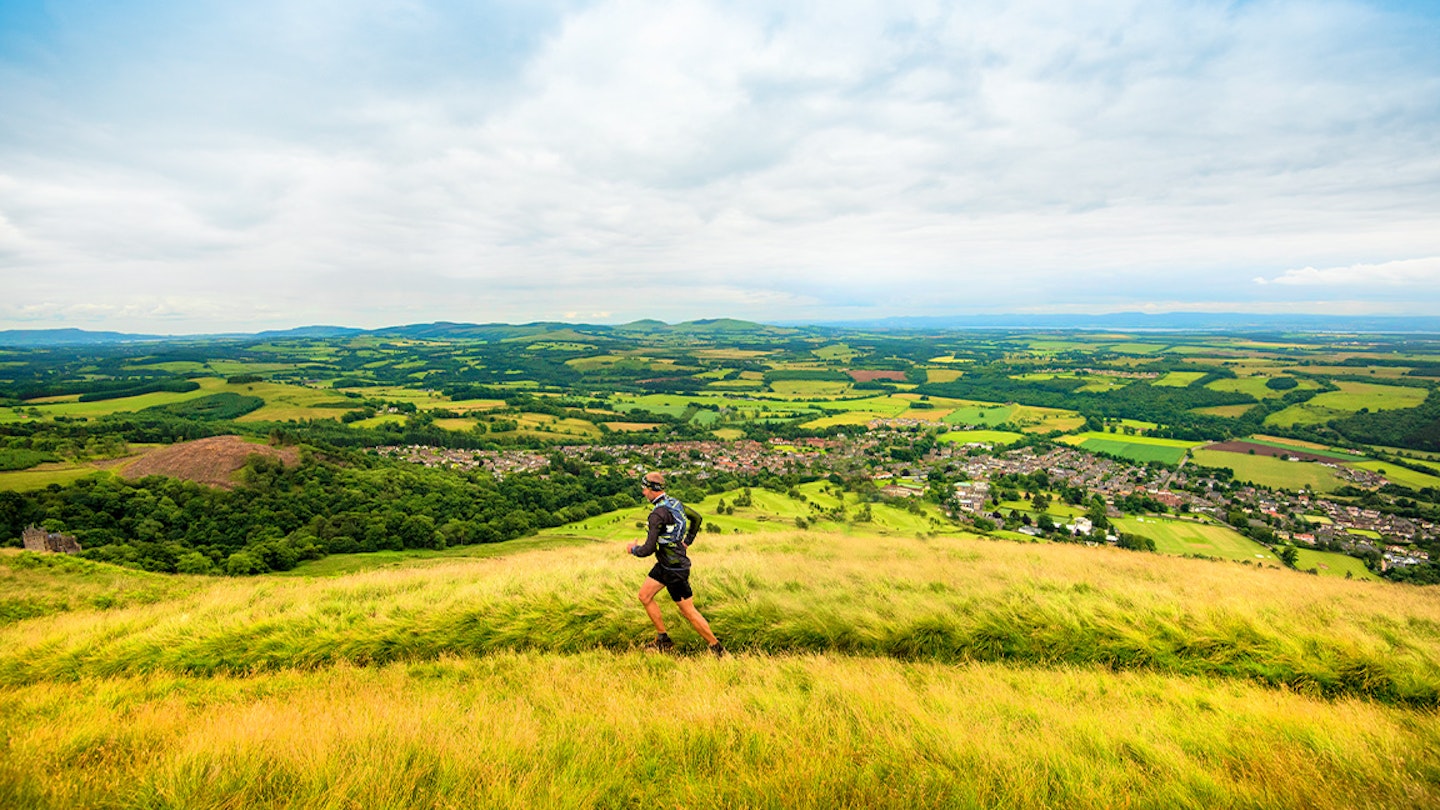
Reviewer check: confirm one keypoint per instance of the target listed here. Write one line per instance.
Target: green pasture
(1403, 476)
(284, 402)
(1368, 534)
(106, 407)
(771, 512)
(1269, 471)
(173, 366)
(1332, 564)
(1136, 348)
(838, 352)
(1351, 397)
(996, 437)
(45, 475)
(1227, 411)
(544, 426)
(981, 415)
(1100, 383)
(380, 419)
(1135, 448)
(1059, 511)
(1425, 457)
(1134, 452)
(806, 389)
(460, 425)
(1178, 379)
(1382, 372)
(1182, 537)
(1255, 386)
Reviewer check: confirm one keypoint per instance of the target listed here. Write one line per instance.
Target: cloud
(404, 159)
(1404, 273)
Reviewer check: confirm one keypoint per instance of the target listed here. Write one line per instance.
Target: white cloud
(1404, 273)
(781, 162)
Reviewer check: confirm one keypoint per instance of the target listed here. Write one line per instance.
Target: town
(968, 472)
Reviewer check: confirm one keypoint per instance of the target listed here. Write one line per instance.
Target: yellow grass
(552, 731)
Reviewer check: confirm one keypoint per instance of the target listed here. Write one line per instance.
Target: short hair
(654, 481)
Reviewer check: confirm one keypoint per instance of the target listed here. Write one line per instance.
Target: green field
(1135, 448)
(996, 437)
(1403, 476)
(1228, 411)
(1269, 471)
(1351, 397)
(105, 407)
(1256, 387)
(803, 389)
(773, 512)
(980, 415)
(1179, 379)
(1330, 564)
(1194, 537)
(43, 476)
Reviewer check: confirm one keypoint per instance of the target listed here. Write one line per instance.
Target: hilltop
(213, 461)
(870, 672)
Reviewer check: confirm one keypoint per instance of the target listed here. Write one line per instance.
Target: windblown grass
(600, 730)
(944, 600)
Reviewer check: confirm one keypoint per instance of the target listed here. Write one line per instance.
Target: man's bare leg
(687, 609)
(647, 598)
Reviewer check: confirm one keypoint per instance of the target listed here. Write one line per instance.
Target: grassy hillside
(870, 671)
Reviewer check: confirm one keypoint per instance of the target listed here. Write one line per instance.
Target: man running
(671, 529)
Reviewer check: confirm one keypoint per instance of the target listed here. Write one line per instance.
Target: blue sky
(200, 166)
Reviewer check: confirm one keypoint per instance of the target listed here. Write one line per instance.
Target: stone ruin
(52, 542)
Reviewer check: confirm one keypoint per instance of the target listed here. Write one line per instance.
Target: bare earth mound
(212, 461)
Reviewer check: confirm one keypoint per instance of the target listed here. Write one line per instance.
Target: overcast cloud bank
(209, 167)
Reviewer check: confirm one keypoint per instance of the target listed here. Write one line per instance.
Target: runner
(671, 529)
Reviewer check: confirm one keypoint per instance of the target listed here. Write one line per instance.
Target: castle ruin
(50, 542)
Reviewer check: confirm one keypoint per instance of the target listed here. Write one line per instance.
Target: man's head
(653, 482)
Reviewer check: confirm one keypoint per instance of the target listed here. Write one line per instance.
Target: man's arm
(692, 526)
(656, 526)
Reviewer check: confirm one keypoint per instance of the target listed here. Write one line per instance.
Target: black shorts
(676, 582)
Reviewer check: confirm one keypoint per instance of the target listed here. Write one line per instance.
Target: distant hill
(69, 337)
(82, 337)
(1226, 321)
(720, 327)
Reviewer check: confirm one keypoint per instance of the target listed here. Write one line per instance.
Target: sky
(188, 167)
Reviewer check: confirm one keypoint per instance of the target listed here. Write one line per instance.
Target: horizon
(191, 170)
(1017, 321)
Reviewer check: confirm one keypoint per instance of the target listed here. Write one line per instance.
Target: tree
(1040, 502)
(1289, 556)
